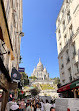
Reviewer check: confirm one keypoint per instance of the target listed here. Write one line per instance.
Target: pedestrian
(52, 109)
(28, 107)
(42, 105)
(53, 103)
(47, 106)
(10, 103)
(38, 107)
(32, 108)
(22, 104)
(14, 107)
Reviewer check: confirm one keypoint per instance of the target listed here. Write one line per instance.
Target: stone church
(40, 73)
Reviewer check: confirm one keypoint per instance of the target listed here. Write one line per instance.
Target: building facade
(67, 33)
(40, 73)
(10, 38)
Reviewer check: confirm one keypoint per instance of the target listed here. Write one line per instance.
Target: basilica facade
(40, 73)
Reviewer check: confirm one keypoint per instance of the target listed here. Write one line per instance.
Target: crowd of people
(33, 104)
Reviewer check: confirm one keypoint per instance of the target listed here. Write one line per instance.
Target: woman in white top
(38, 107)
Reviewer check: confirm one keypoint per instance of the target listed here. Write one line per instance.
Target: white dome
(34, 70)
(45, 70)
(40, 66)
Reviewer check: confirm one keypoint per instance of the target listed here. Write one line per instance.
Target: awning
(64, 88)
(74, 84)
(15, 75)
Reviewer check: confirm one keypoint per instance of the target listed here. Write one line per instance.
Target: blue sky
(39, 41)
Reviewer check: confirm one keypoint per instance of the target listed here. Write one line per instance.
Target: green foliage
(33, 77)
(46, 87)
(56, 80)
(24, 79)
(35, 91)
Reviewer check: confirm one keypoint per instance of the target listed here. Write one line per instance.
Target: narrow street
(39, 55)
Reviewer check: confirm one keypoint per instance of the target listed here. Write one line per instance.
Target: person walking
(28, 107)
(47, 106)
(38, 107)
(42, 105)
(52, 109)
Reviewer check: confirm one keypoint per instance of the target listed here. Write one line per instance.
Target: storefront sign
(64, 88)
(21, 69)
(15, 75)
(74, 84)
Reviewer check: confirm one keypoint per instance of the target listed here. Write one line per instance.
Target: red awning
(64, 88)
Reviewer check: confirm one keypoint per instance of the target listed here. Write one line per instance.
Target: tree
(33, 77)
(56, 80)
(24, 79)
(35, 91)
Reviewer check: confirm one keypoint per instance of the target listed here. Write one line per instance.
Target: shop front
(5, 80)
(75, 88)
(65, 91)
(70, 90)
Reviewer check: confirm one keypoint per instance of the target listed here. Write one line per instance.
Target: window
(64, 26)
(76, 68)
(68, 16)
(70, 76)
(71, 31)
(62, 12)
(67, 1)
(74, 50)
(58, 21)
(63, 74)
(63, 81)
(62, 66)
(67, 56)
(65, 39)
(60, 46)
(59, 34)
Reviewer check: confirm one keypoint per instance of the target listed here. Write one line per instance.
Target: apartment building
(67, 33)
(10, 38)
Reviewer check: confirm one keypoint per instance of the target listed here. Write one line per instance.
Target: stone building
(10, 38)
(67, 32)
(40, 73)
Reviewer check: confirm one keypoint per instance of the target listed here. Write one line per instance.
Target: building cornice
(60, 10)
